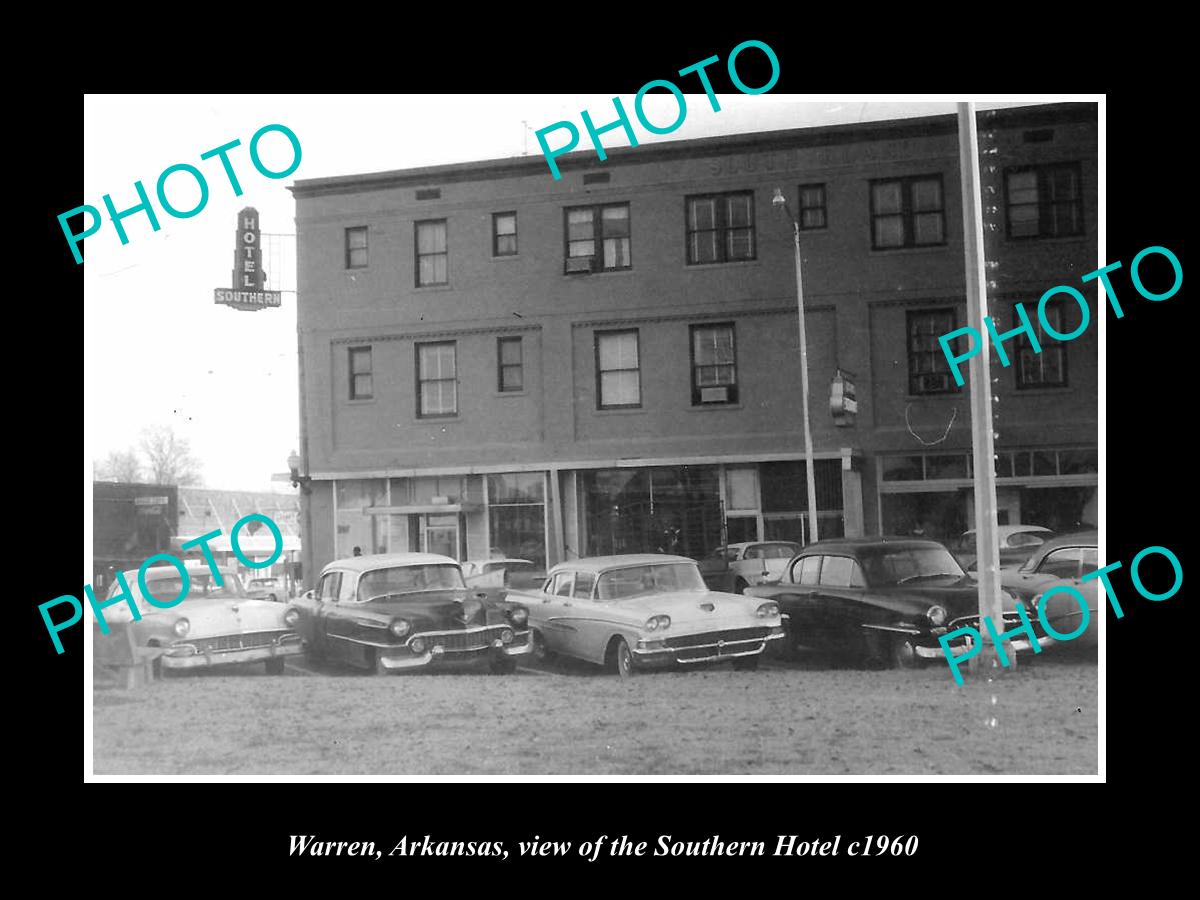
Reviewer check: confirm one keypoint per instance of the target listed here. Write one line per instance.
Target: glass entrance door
(440, 535)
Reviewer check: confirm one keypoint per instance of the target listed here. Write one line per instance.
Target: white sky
(159, 351)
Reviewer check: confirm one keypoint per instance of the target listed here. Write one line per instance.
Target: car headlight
(291, 617)
(417, 645)
(768, 610)
(182, 627)
(654, 623)
(399, 627)
(518, 615)
(506, 636)
(936, 615)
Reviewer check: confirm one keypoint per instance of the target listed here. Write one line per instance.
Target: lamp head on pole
(301, 481)
(779, 199)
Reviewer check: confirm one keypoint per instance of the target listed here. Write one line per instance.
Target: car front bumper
(183, 655)
(446, 654)
(704, 648)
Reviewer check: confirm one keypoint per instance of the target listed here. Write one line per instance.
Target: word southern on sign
(249, 278)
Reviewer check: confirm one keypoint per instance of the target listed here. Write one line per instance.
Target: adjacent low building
(495, 362)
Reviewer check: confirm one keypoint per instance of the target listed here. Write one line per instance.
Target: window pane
(836, 571)
(738, 211)
(579, 225)
(357, 238)
(812, 218)
(618, 351)
(362, 387)
(358, 258)
(360, 361)
(1023, 221)
(886, 197)
(812, 196)
(581, 248)
(506, 244)
(615, 221)
(511, 378)
(702, 214)
(506, 225)
(927, 195)
(741, 243)
(510, 351)
(889, 231)
(1022, 187)
(808, 570)
(431, 237)
(516, 487)
(618, 388)
(616, 253)
(704, 246)
(927, 228)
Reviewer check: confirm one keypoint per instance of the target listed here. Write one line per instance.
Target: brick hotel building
(492, 361)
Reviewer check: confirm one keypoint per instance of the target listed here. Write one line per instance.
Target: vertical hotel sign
(248, 274)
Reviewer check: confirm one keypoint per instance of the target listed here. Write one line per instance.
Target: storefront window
(669, 509)
(356, 528)
(517, 516)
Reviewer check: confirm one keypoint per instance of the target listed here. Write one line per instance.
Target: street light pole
(811, 482)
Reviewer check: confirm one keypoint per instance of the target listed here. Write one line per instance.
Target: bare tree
(169, 456)
(119, 465)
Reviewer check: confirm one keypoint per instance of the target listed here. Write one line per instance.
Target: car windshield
(640, 581)
(409, 580)
(772, 551)
(166, 586)
(901, 565)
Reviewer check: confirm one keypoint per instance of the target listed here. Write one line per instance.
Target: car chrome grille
(231, 641)
(466, 640)
(712, 637)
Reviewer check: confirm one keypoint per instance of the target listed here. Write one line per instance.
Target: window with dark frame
(361, 386)
(597, 238)
(509, 355)
(907, 212)
(356, 247)
(714, 364)
(1043, 201)
(720, 227)
(618, 375)
(504, 234)
(1045, 369)
(928, 370)
(433, 259)
(812, 207)
(437, 379)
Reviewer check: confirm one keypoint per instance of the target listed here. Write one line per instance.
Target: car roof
(388, 560)
(1006, 530)
(481, 562)
(1086, 538)
(741, 544)
(853, 544)
(603, 563)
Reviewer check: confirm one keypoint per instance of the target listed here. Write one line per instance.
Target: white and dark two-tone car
(645, 611)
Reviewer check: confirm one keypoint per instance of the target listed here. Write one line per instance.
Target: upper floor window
(618, 375)
(509, 353)
(504, 234)
(433, 260)
(1043, 201)
(437, 379)
(714, 364)
(360, 373)
(720, 227)
(1048, 368)
(356, 247)
(907, 212)
(812, 206)
(928, 371)
(597, 238)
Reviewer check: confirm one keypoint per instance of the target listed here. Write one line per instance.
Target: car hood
(435, 610)
(232, 615)
(959, 598)
(694, 609)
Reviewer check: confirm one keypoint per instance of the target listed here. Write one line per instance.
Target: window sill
(629, 411)
(711, 407)
(434, 420)
(360, 401)
(506, 257)
(922, 248)
(1039, 390)
(581, 275)
(695, 267)
(432, 288)
(510, 393)
(1048, 239)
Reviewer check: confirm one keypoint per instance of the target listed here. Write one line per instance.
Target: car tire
(902, 653)
(739, 586)
(746, 663)
(156, 668)
(622, 659)
(505, 665)
(541, 654)
(377, 666)
(275, 665)
(273, 598)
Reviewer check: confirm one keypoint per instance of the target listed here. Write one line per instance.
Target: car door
(590, 625)
(1069, 565)
(552, 615)
(839, 608)
(337, 620)
(797, 595)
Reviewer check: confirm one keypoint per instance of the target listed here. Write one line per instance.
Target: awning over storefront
(249, 544)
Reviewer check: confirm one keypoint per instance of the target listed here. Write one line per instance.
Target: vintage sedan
(217, 624)
(878, 599)
(735, 567)
(409, 611)
(1017, 542)
(645, 611)
(1062, 560)
(266, 589)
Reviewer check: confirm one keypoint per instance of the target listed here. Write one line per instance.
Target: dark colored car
(409, 611)
(876, 598)
(1062, 560)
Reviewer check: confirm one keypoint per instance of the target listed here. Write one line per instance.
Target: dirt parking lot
(792, 717)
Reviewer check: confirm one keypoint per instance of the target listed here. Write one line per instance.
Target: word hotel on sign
(622, 120)
(124, 595)
(1085, 314)
(145, 205)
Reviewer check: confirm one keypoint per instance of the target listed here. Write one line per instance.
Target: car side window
(836, 571)
(1062, 563)
(562, 584)
(1025, 539)
(856, 575)
(346, 591)
(583, 584)
(753, 553)
(329, 586)
(807, 569)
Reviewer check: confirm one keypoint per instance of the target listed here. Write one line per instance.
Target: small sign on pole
(249, 279)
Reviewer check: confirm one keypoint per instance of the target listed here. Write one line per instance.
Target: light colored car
(266, 588)
(1062, 560)
(395, 611)
(215, 625)
(646, 610)
(734, 567)
(1016, 543)
(510, 573)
